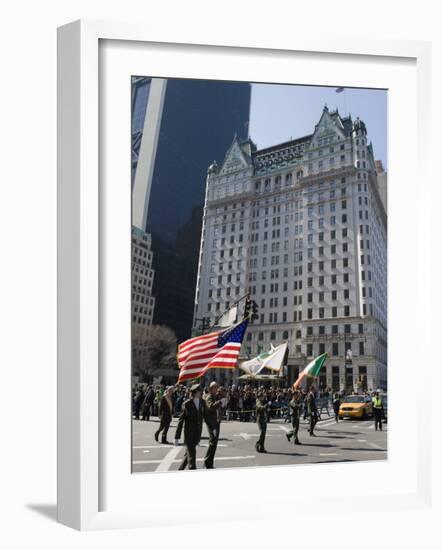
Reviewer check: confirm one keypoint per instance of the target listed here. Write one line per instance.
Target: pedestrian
(165, 413)
(138, 401)
(212, 417)
(312, 411)
(191, 420)
(147, 403)
(378, 411)
(336, 406)
(261, 418)
(296, 408)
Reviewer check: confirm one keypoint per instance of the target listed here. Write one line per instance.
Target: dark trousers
(189, 457)
(164, 427)
(137, 408)
(262, 435)
(211, 450)
(377, 418)
(295, 428)
(313, 420)
(146, 411)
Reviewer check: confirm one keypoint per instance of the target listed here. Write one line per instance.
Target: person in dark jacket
(165, 412)
(138, 401)
(147, 403)
(212, 417)
(336, 406)
(261, 418)
(312, 411)
(296, 408)
(191, 420)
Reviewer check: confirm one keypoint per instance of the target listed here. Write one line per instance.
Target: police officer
(312, 411)
(191, 419)
(296, 408)
(212, 417)
(378, 411)
(261, 419)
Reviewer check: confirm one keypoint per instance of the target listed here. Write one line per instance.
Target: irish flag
(312, 369)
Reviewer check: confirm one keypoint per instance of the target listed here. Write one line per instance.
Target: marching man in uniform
(312, 411)
(212, 417)
(165, 413)
(261, 419)
(296, 406)
(191, 420)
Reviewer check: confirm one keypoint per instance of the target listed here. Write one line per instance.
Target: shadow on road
(285, 454)
(318, 445)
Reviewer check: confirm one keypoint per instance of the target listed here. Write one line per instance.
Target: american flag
(217, 350)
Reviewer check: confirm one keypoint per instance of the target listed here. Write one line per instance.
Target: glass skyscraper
(199, 120)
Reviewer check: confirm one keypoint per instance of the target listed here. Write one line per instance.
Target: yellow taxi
(355, 406)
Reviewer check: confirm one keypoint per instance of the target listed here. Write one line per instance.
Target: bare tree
(154, 350)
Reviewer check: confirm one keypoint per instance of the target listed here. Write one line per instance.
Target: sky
(280, 112)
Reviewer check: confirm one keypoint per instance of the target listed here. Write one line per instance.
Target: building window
(335, 349)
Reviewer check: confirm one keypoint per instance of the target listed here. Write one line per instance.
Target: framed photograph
(232, 274)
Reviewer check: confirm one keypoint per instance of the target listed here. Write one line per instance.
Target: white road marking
(206, 445)
(245, 436)
(247, 457)
(285, 429)
(328, 454)
(361, 440)
(146, 451)
(152, 447)
(376, 446)
(166, 463)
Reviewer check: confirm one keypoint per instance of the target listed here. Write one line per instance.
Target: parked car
(355, 406)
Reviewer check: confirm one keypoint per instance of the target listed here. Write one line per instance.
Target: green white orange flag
(312, 369)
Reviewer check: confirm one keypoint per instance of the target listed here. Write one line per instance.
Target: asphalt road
(346, 441)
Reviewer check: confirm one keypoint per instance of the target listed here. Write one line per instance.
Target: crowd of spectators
(239, 400)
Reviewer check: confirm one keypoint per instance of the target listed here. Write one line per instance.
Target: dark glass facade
(140, 96)
(200, 119)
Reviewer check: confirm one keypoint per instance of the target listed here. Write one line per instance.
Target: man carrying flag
(217, 350)
(312, 370)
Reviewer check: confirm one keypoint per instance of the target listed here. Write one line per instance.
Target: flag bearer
(296, 406)
(378, 411)
(261, 416)
(191, 420)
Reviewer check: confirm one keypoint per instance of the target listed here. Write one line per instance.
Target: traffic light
(247, 307)
(254, 311)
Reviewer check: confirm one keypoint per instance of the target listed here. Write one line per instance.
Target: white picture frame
(84, 210)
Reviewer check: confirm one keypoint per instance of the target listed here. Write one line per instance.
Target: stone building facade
(302, 227)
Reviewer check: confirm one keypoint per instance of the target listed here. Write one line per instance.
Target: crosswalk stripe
(166, 462)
